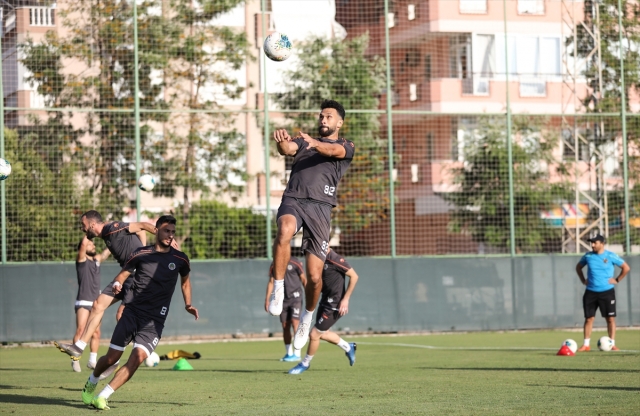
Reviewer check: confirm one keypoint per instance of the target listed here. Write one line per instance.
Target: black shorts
(326, 318)
(606, 301)
(291, 310)
(315, 218)
(145, 332)
(120, 296)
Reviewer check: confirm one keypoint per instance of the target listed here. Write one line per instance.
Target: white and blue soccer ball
(277, 47)
(146, 182)
(571, 344)
(152, 360)
(5, 169)
(605, 344)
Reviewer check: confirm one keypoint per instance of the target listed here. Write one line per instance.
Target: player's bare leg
(314, 343)
(588, 326)
(93, 322)
(93, 348)
(312, 295)
(103, 365)
(291, 354)
(137, 357)
(611, 330)
(281, 255)
(82, 315)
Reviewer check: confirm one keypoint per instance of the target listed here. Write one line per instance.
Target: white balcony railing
(42, 16)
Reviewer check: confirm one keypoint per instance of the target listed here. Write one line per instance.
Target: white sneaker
(75, 365)
(302, 335)
(276, 300)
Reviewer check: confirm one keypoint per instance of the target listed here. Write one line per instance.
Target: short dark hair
(92, 215)
(335, 105)
(165, 219)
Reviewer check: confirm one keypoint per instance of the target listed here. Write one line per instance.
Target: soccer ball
(146, 182)
(605, 344)
(5, 169)
(277, 46)
(152, 360)
(573, 346)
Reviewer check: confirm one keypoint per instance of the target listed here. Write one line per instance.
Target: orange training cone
(564, 350)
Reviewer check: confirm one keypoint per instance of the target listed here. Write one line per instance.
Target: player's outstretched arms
(141, 229)
(325, 149)
(186, 294)
(285, 146)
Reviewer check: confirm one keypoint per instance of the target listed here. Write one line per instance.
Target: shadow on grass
(46, 401)
(588, 387)
(576, 370)
(7, 387)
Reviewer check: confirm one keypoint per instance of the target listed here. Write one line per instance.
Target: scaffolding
(580, 140)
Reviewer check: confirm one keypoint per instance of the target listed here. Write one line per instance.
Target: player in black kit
(290, 316)
(334, 305)
(318, 166)
(88, 274)
(122, 239)
(156, 271)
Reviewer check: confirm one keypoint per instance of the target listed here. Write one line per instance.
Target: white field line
(433, 347)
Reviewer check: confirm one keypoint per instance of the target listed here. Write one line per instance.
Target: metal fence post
(267, 164)
(136, 109)
(3, 196)
(392, 202)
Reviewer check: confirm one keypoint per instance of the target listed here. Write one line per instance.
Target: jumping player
(154, 270)
(318, 166)
(295, 280)
(333, 306)
(600, 292)
(88, 274)
(122, 239)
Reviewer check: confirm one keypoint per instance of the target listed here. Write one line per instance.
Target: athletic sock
(344, 345)
(307, 360)
(277, 284)
(93, 379)
(296, 353)
(613, 341)
(288, 348)
(308, 316)
(586, 342)
(106, 392)
(93, 357)
(81, 344)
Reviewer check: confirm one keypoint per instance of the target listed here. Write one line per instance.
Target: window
(460, 56)
(391, 19)
(411, 12)
(473, 6)
(427, 67)
(430, 147)
(531, 6)
(413, 92)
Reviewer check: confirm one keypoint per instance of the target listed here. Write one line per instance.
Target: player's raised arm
(335, 150)
(286, 147)
(344, 303)
(104, 255)
(141, 229)
(186, 294)
(82, 250)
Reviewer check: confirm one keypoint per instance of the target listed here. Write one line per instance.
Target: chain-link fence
(481, 126)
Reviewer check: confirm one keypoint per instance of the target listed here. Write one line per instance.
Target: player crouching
(333, 305)
(155, 272)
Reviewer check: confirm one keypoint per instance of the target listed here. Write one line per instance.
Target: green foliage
(42, 222)
(339, 70)
(482, 200)
(218, 231)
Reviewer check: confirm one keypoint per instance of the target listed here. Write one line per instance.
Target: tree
(338, 69)
(99, 46)
(482, 200)
(42, 224)
(202, 147)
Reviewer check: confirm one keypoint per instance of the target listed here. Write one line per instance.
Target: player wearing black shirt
(88, 274)
(122, 239)
(290, 317)
(333, 305)
(156, 271)
(318, 166)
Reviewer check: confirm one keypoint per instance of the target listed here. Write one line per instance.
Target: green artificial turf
(513, 373)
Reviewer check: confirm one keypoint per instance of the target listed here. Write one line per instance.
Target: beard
(163, 244)
(91, 253)
(325, 131)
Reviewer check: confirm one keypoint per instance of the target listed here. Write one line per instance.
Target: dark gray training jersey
(315, 176)
(119, 241)
(333, 280)
(88, 273)
(292, 281)
(154, 277)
